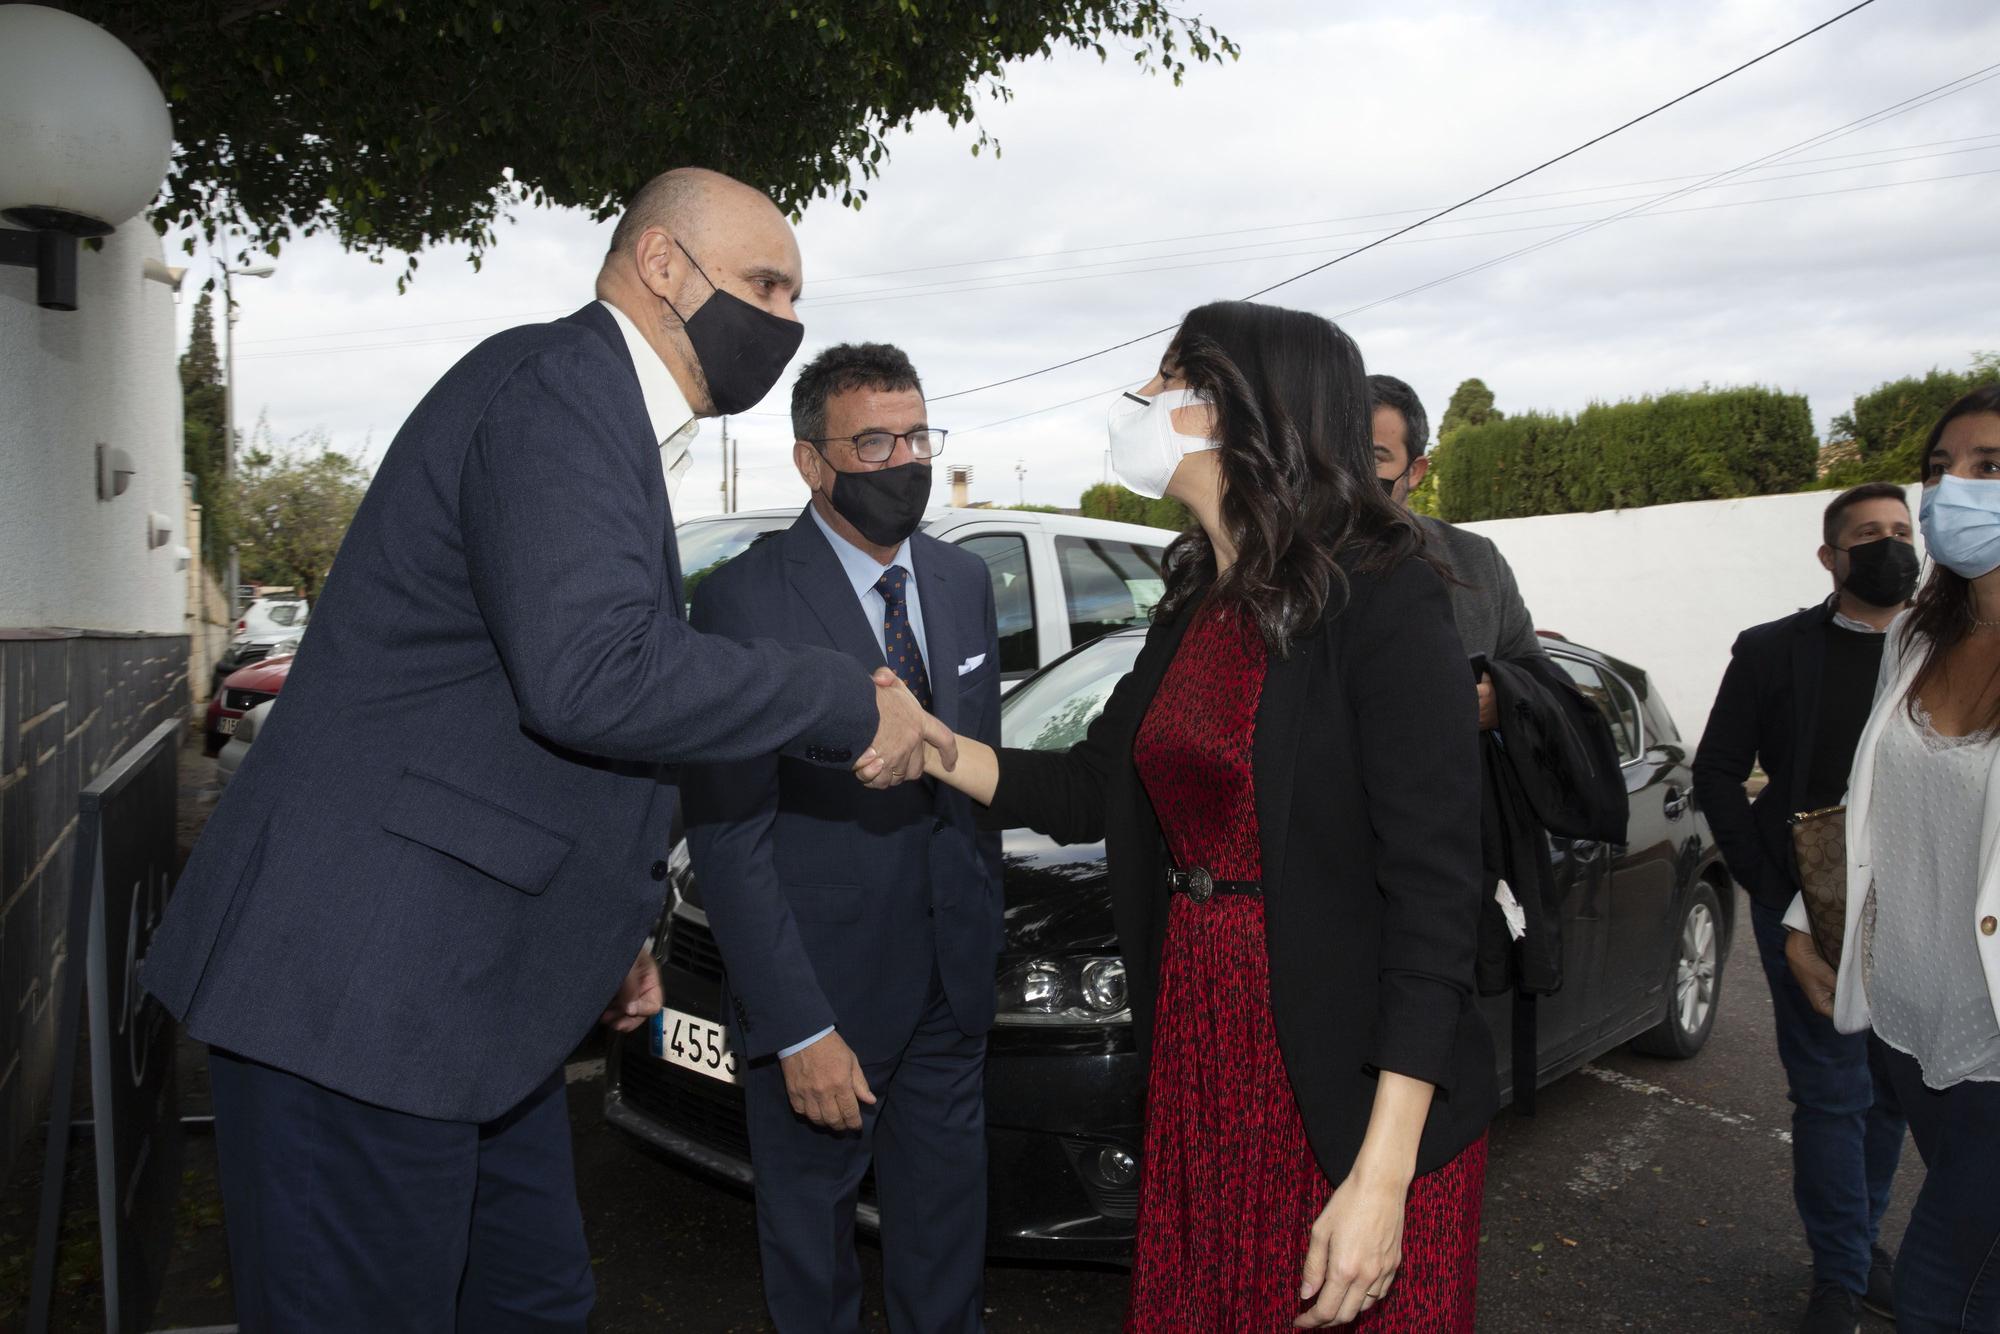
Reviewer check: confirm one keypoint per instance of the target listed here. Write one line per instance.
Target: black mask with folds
(742, 350)
(1882, 573)
(885, 505)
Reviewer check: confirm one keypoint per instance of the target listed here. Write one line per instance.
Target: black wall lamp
(51, 254)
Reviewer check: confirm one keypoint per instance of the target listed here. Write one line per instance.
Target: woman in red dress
(1287, 784)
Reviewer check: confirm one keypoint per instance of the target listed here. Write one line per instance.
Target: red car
(242, 691)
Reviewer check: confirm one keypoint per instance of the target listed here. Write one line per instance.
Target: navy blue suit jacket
(443, 852)
(832, 903)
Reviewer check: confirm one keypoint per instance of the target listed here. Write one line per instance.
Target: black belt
(1201, 885)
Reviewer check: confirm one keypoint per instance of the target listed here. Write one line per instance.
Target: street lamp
(85, 140)
(229, 400)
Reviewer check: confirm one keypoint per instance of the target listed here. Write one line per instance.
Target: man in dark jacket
(860, 931)
(1486, 602)
(437, 867)
(1793, 701)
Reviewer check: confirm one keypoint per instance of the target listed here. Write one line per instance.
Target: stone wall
(70, 703)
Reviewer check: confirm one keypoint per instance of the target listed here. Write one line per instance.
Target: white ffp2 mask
(1145, 447)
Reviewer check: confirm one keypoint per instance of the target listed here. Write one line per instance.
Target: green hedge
(1109, 501)
(1890, 423)
(1700, 445)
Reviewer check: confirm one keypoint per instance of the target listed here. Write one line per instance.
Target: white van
(1058, 581)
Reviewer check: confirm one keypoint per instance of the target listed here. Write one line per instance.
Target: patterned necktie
(899, 641)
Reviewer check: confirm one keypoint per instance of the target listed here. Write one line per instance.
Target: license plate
(227, 726)
(693, 1044)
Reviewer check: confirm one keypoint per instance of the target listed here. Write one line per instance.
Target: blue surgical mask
(1961, 523)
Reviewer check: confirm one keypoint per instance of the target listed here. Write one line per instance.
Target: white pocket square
(971, 663)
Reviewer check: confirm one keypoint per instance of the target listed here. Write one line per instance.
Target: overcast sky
(1121, 201)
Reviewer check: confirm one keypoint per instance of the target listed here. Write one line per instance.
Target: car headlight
(1064, 991)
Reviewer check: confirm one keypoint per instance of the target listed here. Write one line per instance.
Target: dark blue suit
(444, 851)
(877, 914)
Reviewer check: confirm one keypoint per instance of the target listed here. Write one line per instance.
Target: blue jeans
(1847, 1130)
(1948, 1267)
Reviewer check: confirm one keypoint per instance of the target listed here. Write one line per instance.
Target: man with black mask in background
(1793, 701)
(860, 931)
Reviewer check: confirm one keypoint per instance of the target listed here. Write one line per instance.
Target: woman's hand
(1355, 1250)
(1814, 975)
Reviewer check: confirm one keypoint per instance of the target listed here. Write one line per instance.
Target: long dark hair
(1942, 615)
(1299, 494)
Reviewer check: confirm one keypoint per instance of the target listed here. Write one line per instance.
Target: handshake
(897, 753)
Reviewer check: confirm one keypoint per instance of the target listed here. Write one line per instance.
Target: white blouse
(1925, 983)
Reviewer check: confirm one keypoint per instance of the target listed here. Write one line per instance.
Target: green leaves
(1706, 444)
(395, 125)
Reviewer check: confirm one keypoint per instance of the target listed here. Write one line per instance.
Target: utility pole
(229, 402)
(722, 487)
(1021, 477)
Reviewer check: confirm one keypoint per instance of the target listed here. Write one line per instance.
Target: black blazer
(1766, 712)
(1367, 789)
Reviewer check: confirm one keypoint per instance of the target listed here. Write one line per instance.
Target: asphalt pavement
(1646, 1194)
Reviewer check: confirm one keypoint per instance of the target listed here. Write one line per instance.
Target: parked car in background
(272, 616)
(245, 650)
(231, 757)
(240, 692)
(1059, 580)
(1646, 931)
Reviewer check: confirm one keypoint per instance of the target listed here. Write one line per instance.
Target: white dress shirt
(674, 424)
(863, 572)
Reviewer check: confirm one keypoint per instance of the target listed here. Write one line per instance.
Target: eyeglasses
(877, 446)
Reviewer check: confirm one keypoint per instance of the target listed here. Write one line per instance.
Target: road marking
(577, 1072)
(1632, 1084)
(1604, 1170)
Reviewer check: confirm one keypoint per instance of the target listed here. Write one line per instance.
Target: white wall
(68, 380)
(1669, 588)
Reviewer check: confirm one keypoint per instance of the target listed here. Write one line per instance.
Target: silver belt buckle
(1200, 884)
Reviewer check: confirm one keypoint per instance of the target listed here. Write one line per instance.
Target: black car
(1646, 931)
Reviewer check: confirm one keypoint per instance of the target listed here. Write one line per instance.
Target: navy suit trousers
(926, 1136)
(344, 1216)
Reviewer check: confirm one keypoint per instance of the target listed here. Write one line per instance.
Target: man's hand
(1814, 976)
(897, 755)
(638, 997)
(1489, 706)
(826, 1085)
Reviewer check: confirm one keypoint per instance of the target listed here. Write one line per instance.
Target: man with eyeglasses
(860, 930)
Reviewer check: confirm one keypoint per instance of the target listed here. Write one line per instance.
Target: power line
(1471, 199)
(459, 339)
(997, 281)
(1950, 88)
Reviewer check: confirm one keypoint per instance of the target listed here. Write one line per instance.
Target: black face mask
(742, 350)
(886, 505)
(1882, 573)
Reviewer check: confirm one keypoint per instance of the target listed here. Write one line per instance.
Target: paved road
(1645, 1195)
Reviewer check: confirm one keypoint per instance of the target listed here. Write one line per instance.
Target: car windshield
(708, 544)
(1053, 711)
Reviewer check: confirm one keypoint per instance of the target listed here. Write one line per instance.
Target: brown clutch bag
(1819, 841)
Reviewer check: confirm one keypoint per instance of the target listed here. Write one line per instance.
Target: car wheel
(212, 744)
(1694, 984)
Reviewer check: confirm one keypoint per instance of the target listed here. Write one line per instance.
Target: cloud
(1119, 202)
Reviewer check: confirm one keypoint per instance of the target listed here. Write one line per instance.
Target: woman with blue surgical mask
(1920, 960)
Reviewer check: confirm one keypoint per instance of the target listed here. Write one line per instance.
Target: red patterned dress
(1231, 1188)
